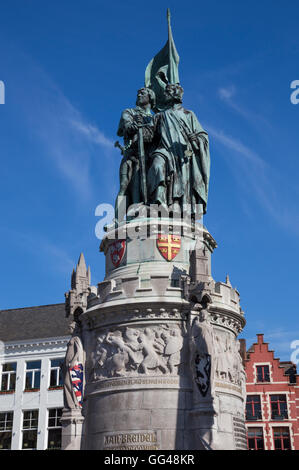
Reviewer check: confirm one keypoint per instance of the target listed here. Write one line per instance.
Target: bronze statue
(132, 174)
(180, 164)
(172, 168)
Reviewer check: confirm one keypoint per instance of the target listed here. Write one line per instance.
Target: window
(8, 377)
(56, 373)
(255, 439)
(32, 381)
(6, 420)
(292, 372)
(279, 409)
(30, 423)
(54, 429)
(282, 439)
(253, 408)
(262, 374)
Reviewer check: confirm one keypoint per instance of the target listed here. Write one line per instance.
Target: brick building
(272, 407)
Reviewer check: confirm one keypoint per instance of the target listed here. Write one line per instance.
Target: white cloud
(236, 145)
(40, 247)
(92, 133)
(226, 93)
(64, 134)
(259, 180)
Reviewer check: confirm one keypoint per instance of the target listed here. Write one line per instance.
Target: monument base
(163, 369)
(72, 429)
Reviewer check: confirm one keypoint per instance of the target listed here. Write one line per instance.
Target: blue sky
(71, 67)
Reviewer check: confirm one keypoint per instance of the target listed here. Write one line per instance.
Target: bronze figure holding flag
(174, 169)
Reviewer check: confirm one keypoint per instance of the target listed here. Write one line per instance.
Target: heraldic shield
(203, 373)
(168, 245)
(77, 381)
(117, 250)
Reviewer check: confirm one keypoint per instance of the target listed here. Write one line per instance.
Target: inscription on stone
(240, 433)
(139, 381)
(139, 440)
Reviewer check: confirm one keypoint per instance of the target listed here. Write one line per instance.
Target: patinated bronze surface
(166, 156)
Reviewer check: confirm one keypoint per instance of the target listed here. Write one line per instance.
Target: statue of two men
(176, 150)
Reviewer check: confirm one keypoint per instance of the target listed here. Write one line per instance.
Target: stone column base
(72, 423)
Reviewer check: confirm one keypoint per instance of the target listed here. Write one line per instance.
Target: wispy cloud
(228, 95)
(92, 133)
(42, 249)
(237, 146)
(66, 137)
(257, 178)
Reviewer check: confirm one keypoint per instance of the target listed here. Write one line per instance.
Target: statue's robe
(174, 174)
(74, 356)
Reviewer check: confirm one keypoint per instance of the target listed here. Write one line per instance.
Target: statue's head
(174, 93)
(74, 328)
(203, 315)
(146, 97)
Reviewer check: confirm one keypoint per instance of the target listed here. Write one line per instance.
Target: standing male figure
(180, 164)
(74, 357)
(130, 171)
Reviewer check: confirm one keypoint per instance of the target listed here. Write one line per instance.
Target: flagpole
(169, 45)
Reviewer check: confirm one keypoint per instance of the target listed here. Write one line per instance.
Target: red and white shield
(168, 245)
(117, 250)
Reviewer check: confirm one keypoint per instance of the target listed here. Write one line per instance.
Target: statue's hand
(139, 119)
(132, 129)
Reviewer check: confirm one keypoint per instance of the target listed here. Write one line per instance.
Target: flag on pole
(163, 69)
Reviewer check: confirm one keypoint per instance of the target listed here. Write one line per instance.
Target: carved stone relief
(128, 351)
(228, 361)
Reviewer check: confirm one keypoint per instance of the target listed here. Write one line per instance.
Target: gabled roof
(44, 321)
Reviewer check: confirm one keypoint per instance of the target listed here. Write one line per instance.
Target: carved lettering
(143, 440)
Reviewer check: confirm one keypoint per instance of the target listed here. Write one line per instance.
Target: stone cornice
(227, 319)
(135, 311)
(36, 345)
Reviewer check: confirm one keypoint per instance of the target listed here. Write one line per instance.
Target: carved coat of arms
(168, 245)
(203, 372)
(117, 250)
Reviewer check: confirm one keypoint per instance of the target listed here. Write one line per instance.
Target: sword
(142, 162)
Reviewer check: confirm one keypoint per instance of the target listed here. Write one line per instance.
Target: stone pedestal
(160, 374)
(72, 429)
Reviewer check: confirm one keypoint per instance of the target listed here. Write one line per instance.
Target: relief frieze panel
(129, 351)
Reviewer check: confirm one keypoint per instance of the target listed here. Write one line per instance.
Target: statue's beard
(171, 99)
(141, 102)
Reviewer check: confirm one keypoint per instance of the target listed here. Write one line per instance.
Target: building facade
(272, 404)
(33, 345)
